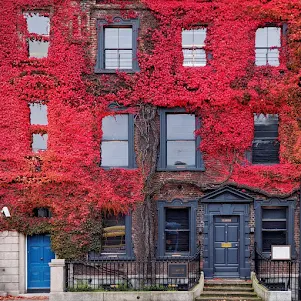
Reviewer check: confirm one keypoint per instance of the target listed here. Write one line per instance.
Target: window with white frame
(193, 47)
(117, 147)
(39, 116)
(267, 46)
(38, 28)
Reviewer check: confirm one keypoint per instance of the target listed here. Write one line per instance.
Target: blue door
(39, 254)
(226, 246)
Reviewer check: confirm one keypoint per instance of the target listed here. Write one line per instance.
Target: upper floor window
(193, 46)
(117, 46)
(38, 27)
(117, 146)
(265, 148)
(267, 46)
(38, 116)
(179, 147)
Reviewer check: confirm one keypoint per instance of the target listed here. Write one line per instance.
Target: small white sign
(281, 252)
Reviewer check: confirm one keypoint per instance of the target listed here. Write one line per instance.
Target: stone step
(228, 294)
(232, 283)
(229, 288)
(223, 298)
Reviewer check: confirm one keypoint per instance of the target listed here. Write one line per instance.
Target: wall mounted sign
(226, 220)
(226, 245)
(177, 270)
(281, 252)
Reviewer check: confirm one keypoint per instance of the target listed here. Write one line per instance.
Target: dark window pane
(113, 237)
(272, 238)
(37, 23)
(39, 142)
(181, 153)
(275, 213)
(177, 219)
(38, 113)
(38, 49)
(177, 241)
(180, 126)
(114, 153)
(275, 225)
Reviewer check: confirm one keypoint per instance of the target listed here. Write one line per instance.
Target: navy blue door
(39, 254)
(226, 246)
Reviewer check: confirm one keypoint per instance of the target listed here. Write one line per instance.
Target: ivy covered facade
(151, 129)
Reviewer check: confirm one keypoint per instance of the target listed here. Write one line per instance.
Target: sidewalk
(26, 297)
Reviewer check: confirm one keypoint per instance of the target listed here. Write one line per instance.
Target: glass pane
(181, 153)
(177, 241)
(199, 37)
(265, 119)
(125, 38)
(272, 238)
(261, 37)
(126, 59)
(114, 153)
(273, 57)
(39, 142)
(113, 237)
(261, 57)
(38, 113)
(111, 59)
(187, 38)
(180, 126)
(38, 49)
(274, 34)
(115, 127)
(111, 37)
(199, 57)
(37, 23)
(177, 219)
(188, 57)
(279, 213)
(276, 225)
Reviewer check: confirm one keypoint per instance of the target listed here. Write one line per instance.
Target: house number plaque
(226, 245)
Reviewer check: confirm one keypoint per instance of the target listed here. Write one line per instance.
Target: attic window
(38, 28)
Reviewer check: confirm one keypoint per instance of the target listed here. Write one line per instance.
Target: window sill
(175, 258)
(118, 167)
(202, 168)
(114, 71)
(120, 257)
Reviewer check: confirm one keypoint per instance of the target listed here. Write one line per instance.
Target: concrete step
(229, 288)
(229, 294)
(223, 298)
(228, 283)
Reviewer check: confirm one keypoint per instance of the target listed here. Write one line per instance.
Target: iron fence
(119, 275)
(279, 275)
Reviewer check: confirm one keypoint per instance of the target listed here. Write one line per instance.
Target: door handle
(41, 258)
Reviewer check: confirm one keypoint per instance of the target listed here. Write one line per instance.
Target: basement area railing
(122, 275)
(279, 275)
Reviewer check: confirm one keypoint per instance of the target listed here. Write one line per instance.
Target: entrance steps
(228, 290)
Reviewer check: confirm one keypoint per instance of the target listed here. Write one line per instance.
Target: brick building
(170, 127)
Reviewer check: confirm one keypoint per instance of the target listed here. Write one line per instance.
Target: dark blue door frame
(39, 254)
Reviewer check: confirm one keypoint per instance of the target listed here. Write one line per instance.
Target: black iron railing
(278, 275)
(118, 275)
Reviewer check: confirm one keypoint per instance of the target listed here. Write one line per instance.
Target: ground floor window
(274, 227)
(274, 224)
(116, 237)
(177, 228)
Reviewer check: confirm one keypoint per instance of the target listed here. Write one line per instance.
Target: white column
(57, 276)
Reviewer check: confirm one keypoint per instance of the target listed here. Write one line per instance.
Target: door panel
(39, 254)
(226, 246)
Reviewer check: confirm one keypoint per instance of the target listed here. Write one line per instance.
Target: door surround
(227, 201)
